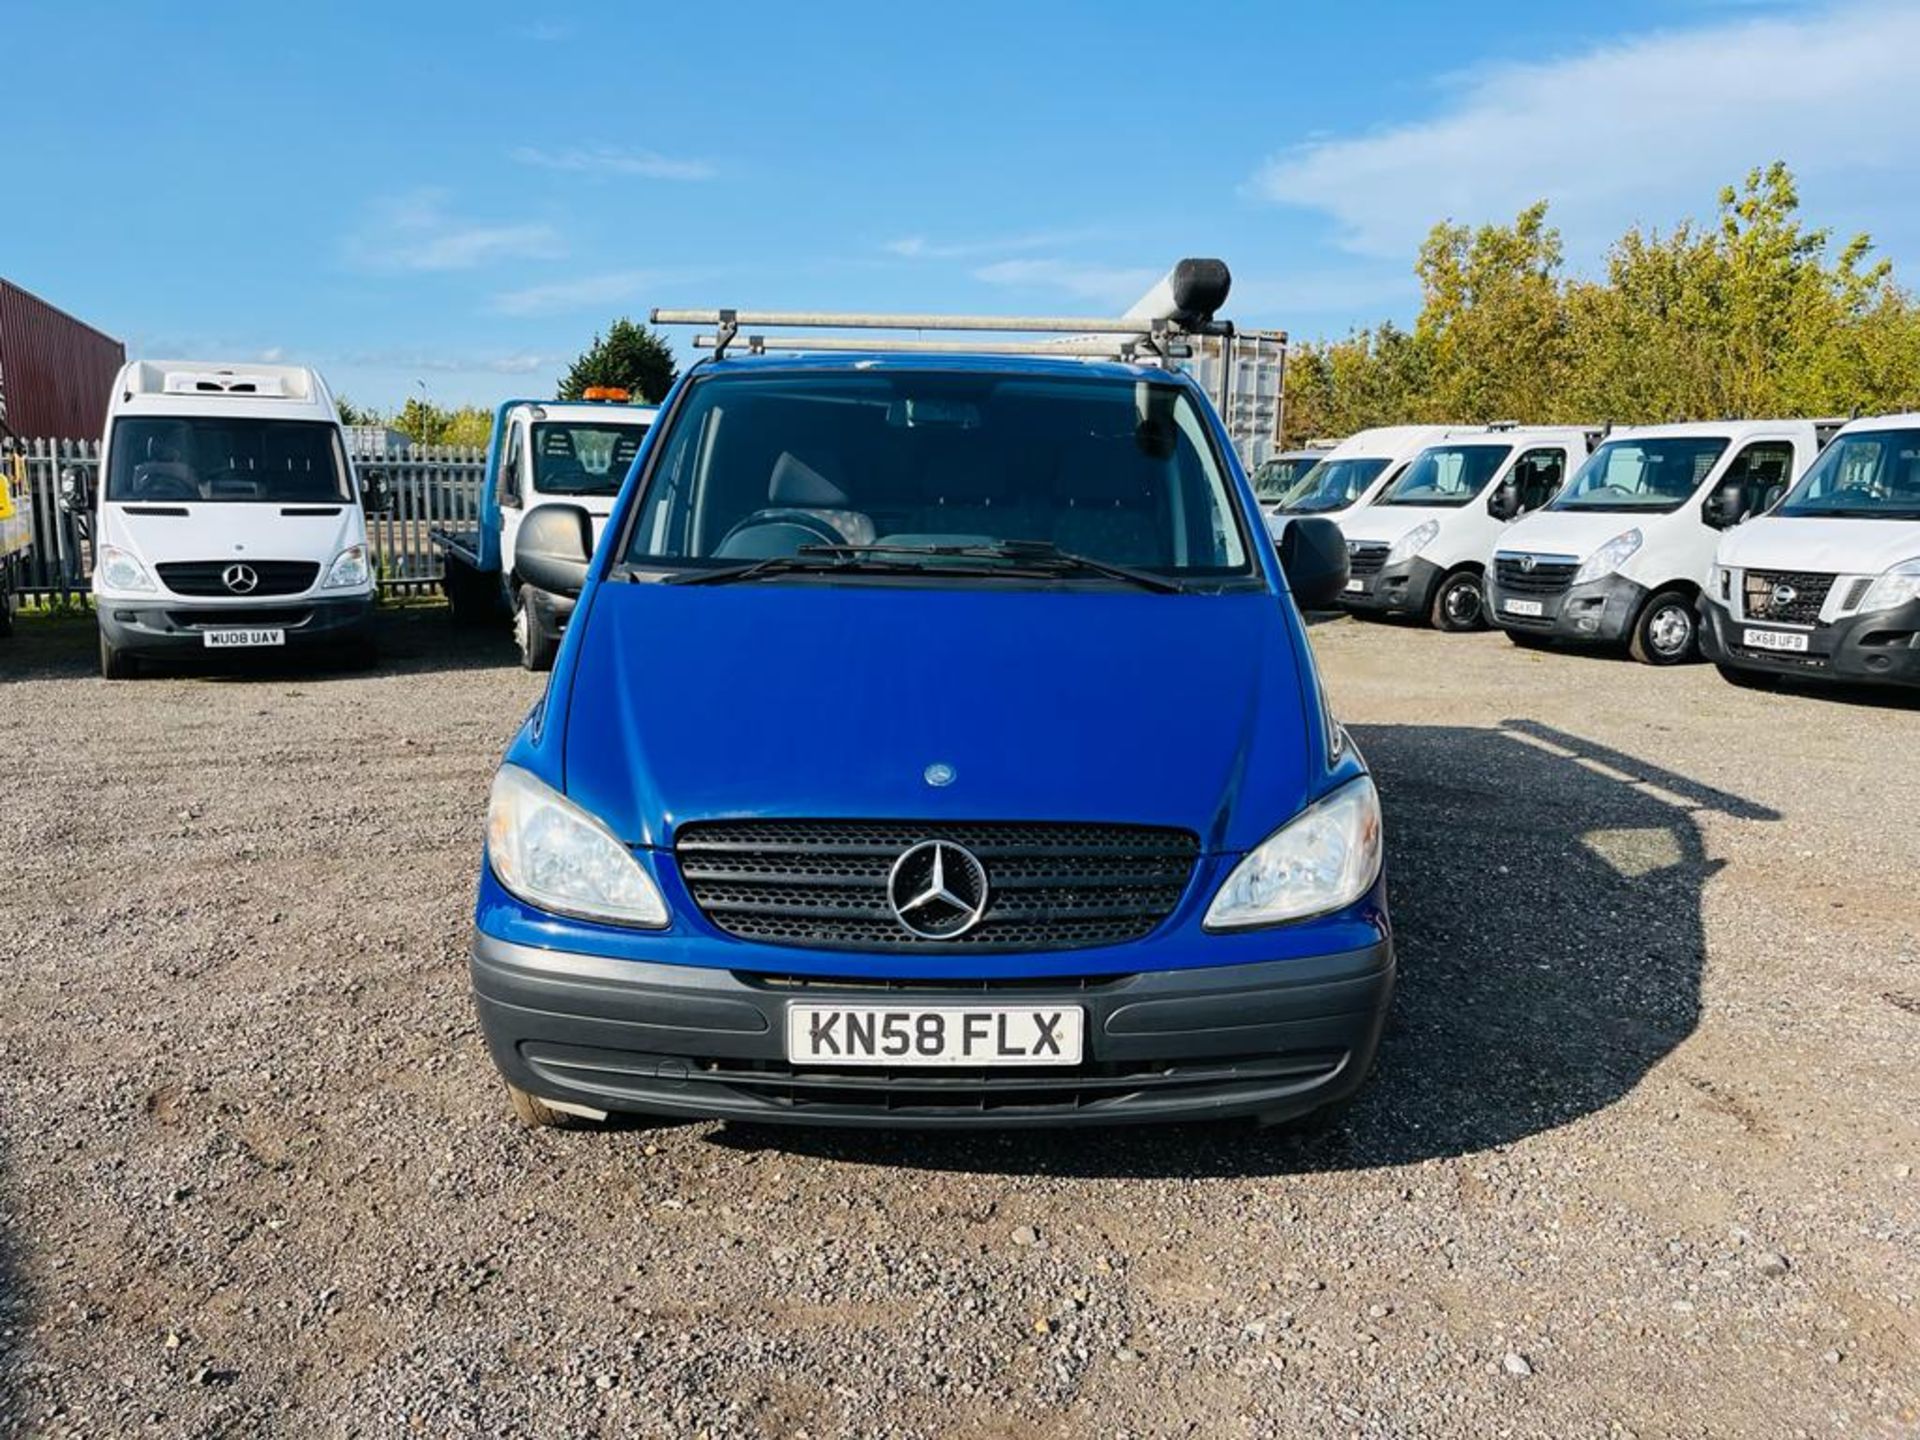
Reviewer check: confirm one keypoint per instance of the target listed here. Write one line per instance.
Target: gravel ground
(1639, 1157)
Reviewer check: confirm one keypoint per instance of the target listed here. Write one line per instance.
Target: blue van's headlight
(1326, 857)
(551, 853)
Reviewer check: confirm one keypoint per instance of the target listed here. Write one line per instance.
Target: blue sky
(455, 197)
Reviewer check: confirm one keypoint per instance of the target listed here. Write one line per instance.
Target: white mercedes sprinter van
(228, 516)
(1621, 554)
(1424, 545)
(1826, 584)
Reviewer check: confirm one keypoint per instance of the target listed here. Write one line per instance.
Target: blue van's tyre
(536, 1114)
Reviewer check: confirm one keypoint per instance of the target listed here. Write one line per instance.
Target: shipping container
(56, 370)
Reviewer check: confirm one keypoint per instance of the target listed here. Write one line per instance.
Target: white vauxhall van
(1352, 473)
(228, 516)
(1423, 546)
(1620, 556)
(1826, 584)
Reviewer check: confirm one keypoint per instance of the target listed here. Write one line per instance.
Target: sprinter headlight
(1608, 558)
(1896, 587)
(349, 569)
(119, 570)
(1413, 542)
(1326, 857)
(551, 853)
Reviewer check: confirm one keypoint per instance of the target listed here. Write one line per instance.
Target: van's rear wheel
(1668, 630)
(537, 646)
(115, 663)
(537, 1114)
(1459, 603)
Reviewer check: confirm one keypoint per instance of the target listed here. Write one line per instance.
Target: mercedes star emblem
(938, 889)
(240, 579)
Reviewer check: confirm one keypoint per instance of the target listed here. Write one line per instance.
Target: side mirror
(553, 548)
(1313, 555)
(76, 495)
(1726, 506)
(1505, 502)
(375, 496)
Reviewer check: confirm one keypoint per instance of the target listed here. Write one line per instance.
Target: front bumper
(1881, 647)
(1599, 612)
(159, 626)
(1274, 1039)
(1404, 588)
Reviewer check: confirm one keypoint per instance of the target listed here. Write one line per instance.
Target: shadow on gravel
(1546, 894)
(410, 639)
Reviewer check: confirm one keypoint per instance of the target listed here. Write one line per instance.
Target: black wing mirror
(76, 493)
(1505, 503)
(1313, 555)
(553, 548)
(1726, 506)
(376, 496)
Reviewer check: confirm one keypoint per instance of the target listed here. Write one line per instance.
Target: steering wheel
(167, 487)
(794, 519)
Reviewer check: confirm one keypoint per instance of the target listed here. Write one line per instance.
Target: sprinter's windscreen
(188, 459)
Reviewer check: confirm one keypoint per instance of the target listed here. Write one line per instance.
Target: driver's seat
(804, 507)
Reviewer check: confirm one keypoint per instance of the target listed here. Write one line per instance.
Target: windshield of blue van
(1331, 485)
(1653, 475)
(893, 469)
(1277, 476)
(1446, 475)
(1868, 475)
(576, 458)
(202, 458)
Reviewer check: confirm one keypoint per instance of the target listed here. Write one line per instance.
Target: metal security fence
(432, 487)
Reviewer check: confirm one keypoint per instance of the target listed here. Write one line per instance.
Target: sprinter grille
(203, 577)
(1809, 595)
(823, 883)
(1547, 577)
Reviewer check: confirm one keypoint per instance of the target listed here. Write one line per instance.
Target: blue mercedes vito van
(935, 742)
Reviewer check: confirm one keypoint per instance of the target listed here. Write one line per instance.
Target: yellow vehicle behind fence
(16, 533)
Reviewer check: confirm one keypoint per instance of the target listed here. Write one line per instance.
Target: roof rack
(1182, 305)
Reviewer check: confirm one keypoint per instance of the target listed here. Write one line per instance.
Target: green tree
(629, 356)
(1755, 314)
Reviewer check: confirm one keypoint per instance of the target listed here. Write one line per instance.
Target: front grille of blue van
(823, 883)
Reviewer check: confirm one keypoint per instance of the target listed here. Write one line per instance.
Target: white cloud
(645, 164)
(1644, 130)
(583, 292)
(919, 247)
(417, 232)
(1109, 286)
(437, 362)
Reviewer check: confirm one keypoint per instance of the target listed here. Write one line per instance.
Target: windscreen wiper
(813, 559)
(1038, 557)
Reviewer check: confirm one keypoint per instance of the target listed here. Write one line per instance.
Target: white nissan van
(1620, 556)
(228, 517)
(1826, 584)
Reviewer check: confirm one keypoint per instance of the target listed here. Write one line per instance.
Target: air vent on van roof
(223, 382)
